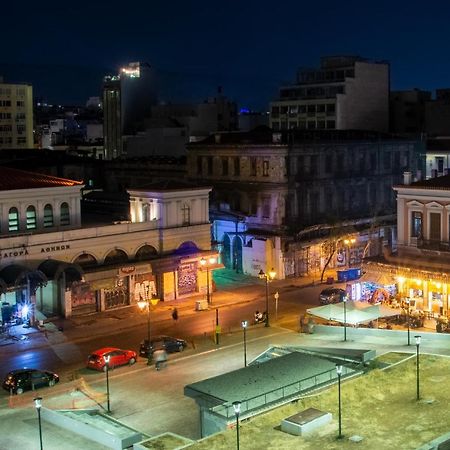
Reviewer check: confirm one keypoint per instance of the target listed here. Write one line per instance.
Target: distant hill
(67, 84)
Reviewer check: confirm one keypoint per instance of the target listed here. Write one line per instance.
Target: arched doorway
(226, 252)
(237, 254)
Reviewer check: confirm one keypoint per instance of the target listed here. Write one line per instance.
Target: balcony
(437, 246)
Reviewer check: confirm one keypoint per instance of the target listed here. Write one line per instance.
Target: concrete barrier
(397, 336)
(94, 426)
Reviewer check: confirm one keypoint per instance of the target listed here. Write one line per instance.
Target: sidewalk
(231, 288)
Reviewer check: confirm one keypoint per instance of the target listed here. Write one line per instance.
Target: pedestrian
(175, 314)
(160, 357)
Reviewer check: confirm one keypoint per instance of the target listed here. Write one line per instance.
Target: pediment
(434, 205)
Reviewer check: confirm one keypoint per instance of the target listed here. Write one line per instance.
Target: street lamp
(237, 410)
(417, 365)
(211, 260)
(244, 325)
(339, 374)
(38, 405)
(348, 243)
(345, 317)
(268, 277)
(407, 318)
(107, 358)
(142, 303)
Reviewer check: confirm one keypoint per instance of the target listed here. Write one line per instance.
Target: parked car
(117, 357)
(168, 343)
(332, 295)
(21, 380)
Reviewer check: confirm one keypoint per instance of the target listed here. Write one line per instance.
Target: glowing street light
(417, 365)
(145, 303)
(408, 320)
(244, 325)
(38, 406)
(107, 358)
(349, 243)
(345, 317)
(211, 261)
(339, 374)
(237, 410)
(267, 277)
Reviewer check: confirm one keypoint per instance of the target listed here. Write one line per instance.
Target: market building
(51, 262)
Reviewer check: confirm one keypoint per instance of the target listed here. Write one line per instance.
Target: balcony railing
(433, 245)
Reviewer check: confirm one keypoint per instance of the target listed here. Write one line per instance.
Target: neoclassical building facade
(51, 261)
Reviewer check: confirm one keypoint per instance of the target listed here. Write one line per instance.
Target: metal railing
(433, 245)
(274, 396)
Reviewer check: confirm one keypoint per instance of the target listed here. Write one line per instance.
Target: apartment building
(344, 93)
(16, 116)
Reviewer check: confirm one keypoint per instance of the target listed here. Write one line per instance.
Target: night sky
(248, 47)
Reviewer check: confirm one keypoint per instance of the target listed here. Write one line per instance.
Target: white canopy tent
(355, 312)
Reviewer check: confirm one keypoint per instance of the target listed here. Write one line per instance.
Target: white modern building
(344, 93)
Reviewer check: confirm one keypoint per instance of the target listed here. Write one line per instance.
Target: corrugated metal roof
(12, 179)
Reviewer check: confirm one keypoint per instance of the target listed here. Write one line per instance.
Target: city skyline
(250, 49)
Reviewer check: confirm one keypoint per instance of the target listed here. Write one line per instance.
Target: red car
(117, 357)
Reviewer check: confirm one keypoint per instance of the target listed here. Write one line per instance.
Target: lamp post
(211, 260)
(417, 365)
(345, 317)
(237, 410)
(107, 358)
(267, 277)
(348, 243)
(142, 303)
(244, 325)
(339, 374)
(38, 405)
(276, 296)
(407, 319)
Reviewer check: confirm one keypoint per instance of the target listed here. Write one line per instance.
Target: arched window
(116, 256)
(48, 216)
(13, 219)
(86, 260)
(65, 214)
(146, 252)
(31, 218)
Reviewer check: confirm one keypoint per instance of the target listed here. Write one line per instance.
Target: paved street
(151, 401)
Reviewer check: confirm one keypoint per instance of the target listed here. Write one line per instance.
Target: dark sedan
(21, 380)
(332, 295)
(168, 343)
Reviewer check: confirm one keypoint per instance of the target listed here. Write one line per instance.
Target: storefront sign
(14, 253)
(55, 248)
(128, 270)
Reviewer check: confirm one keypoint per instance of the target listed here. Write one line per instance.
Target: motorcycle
(260, 317)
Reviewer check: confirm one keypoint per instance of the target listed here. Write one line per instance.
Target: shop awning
(380, 278)
(53, 269)
(18, 275)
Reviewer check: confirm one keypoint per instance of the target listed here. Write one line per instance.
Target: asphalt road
(196, 328)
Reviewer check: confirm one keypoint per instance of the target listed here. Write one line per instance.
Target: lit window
(186, 214)
(48, 216)
(65, 216)
(31, 218)
(13, 220)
